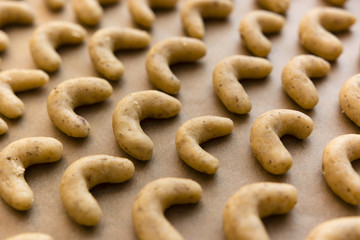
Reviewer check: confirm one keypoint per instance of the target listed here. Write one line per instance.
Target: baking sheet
(237, 165)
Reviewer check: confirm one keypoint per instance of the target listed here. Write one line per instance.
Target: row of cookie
(144, 16)
(295, 79)
(314, 31)
(241, 216)
(317, 22)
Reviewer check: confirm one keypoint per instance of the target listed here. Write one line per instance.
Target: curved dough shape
(3, 126)
(55, 5)
(196, 131)
(296, 79)
(244, 210)
(89, 12)
(168, 52)
(252, 27)
(30, 236)
(70, 94)
(13, 13)
(337, 229)
(227, 74)
(17, 156)
(107, 40)
(84, 174)
(48, 37)
(338, 3)
(349, 99)
(265, 136)
(278, 6)
(315, 28)
(4, 41)
(16, 13)
(337, 169)
(193, 12)
(147, 211)
(18, 80)
(131, 110)
(142, 13)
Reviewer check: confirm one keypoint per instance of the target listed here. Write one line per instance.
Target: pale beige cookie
(84, 174)
(148, 209)
(316, 27)
(278, 6)
(89, 12)
(70, 94)
(13, 12)
(141, 10)
(265, 136)
(196, 131)
(338, 3)
(55, 5)
(337, 169)
(131, 110)
(107, 40)
(193, 12)
(344, 228)
(30, 236)
(227, 74)
(15, 158)
(244, 210)
(167, 52)
(4, 41)
(253, 27)
(3, 126)
(349, 98)
(296, 79)
(50, 36)
(18, 80)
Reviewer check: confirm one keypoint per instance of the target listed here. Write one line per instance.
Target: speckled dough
(337, 169)
(196, 131)
(344, 228)
(193, 12)
(349, 98)
(315, 28)
(253, 27)
(131, 110)
(296, 79)
(70, 94)
(265, 136)
(84, 174)
(148, 209)
(55, 5)
(30, 236)
(142, 13)
(107, 40)
(227, 74)
(167, 52)
(18, 80)
(278, 6)
(15, 158)
(244, 210)
(89, 12)
(338, 3)
(48, 37)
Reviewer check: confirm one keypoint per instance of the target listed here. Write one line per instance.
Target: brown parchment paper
(238, 166)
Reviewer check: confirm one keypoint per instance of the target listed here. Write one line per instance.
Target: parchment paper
(238, 167)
